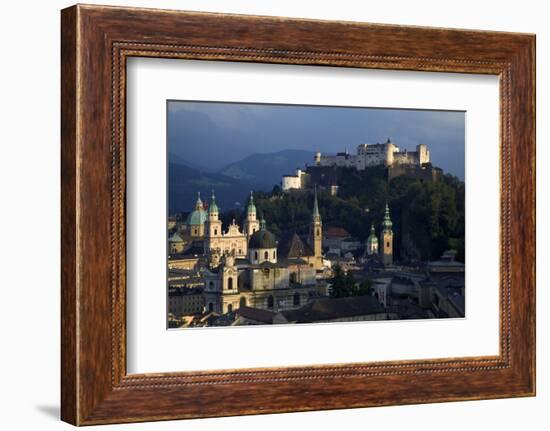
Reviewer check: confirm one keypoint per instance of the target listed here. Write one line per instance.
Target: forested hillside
(428, 218)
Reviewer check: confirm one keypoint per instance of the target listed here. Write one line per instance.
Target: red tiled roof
(337, 231)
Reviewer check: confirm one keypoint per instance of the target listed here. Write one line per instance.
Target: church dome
(198, 216)
(372, 239)
(262, 238)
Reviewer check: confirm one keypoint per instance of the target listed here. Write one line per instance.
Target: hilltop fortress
(386, 154)
(397, 161)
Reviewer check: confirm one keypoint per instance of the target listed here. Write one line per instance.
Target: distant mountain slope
(177, 159)
(267, 169)
(184, 182)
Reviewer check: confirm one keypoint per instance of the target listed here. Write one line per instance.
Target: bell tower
(386, 237)
(251, 223)
(213, 225)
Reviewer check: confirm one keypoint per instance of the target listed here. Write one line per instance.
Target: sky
(211, 135)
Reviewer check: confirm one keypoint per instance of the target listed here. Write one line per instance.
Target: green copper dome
(251, 209)
(198, 216)
(262, 238)
(372, 239)
(213, 208)
(175, 238)
(386, 223)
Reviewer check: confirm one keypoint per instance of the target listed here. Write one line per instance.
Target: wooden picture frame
(95, 43)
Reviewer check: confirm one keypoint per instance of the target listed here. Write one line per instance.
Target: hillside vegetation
(428, 218)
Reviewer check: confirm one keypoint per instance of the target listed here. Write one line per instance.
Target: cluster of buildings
(397, 161)
(215, 271)
(245, 275)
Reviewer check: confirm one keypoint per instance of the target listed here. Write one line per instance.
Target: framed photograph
(323, 214)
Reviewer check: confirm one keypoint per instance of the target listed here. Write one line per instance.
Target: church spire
(213, 208)
(198, 204)
(316, 234)
(387, 223)
(251, 208)
(386, 238)
(316, 214)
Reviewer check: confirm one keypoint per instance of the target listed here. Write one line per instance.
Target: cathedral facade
(234, 241)
(261, 273)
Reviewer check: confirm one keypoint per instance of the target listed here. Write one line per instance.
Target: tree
(344, 285)
(276, 191)
(365, 288)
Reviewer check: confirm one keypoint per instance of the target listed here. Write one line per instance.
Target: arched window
(296, 299)
(388, 244)
(256, 255)
(242, 302)
(215, 231)
(229, 308)
(270, 301)
(210, 307)
(266, 255)
(230, 283)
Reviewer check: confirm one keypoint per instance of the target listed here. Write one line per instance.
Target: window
(270, 301)
(229, 308)
(388, 244)
(242, 302)
(230, 283)
(215, 231)
(274, 255)
(296, 299)
(318, 232)
(211, 284)
(256, 255)
(266, 255)
(210, 307)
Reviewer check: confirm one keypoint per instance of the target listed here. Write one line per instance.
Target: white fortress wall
(386, 154)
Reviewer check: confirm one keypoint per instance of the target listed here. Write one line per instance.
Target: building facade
(234, 241)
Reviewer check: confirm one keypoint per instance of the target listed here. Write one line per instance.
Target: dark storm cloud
(211, 135)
